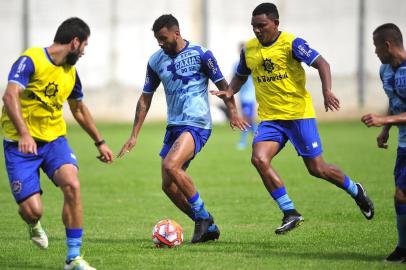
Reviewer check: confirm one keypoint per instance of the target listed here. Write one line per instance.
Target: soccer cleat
(289, 222)
(38, 235)
(364, 202)
(212, 235)
(78, 263)
(201, 229)
(397, 256)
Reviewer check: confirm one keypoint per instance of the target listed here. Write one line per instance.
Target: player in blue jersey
(34, 130)
(184, 70)
(389, 48)
(285, 110)
(248, 105)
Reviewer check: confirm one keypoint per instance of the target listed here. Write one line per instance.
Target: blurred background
(113, 69)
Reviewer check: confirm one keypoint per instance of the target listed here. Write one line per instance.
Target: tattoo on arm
(141, 108)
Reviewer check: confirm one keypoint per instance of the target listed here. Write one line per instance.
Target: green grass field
(123, 201)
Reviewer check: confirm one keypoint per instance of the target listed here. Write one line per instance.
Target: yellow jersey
(47, 87)
(279, 77)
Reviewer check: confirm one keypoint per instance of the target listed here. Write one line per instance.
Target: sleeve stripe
(17, 82)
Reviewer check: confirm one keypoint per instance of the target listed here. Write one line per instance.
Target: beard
(171, 48)
(72, 58)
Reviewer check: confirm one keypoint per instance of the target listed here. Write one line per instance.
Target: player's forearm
(143, 105)
(397, 119)
(13, 108)
(236, 83)
(84, 118)
(231, 107)
(324, 72)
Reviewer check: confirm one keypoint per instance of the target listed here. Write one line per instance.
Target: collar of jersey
(184, 48)
(273, 41)
(49, 57)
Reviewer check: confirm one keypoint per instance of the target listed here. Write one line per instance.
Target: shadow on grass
(267, 249)
(279, 250)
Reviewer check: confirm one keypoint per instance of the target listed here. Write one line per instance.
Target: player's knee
(170, 168)
(31, 214)
(35, 214)
(72, 189)
(317, 171)
(259, 162)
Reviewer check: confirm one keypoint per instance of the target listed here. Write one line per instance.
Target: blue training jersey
(394, 84)
(185, 80)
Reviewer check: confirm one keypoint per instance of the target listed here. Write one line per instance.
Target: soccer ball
(167, 233)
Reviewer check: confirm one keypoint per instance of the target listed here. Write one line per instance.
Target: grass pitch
(123, 201)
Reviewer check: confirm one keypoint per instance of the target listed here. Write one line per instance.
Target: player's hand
(373, 120)
(331, 102)
(221, 94)
(382, 139)
(127, 147)
(238, 122)
(106, 155)
(27, 145)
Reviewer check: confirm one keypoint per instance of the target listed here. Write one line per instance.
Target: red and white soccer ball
(167, 233)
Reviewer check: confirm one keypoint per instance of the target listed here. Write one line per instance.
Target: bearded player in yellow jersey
(39, 82)
(285, 110)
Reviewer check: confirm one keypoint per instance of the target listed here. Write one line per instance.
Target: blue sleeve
(77, 92)
(302, 52)
(21, 71)
(210, 67)
(152, 80)
(242, 68)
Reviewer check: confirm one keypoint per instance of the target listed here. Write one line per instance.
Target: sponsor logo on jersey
(277, 77)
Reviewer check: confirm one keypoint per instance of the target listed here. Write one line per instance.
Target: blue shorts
(400, 169)
(302, 133)
(248, 109)
(200, 136)
(23, 169)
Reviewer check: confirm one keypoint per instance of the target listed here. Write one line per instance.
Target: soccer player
(248, 104)
(184, 69)
(286, 111)
(389, 48)
(34, 133)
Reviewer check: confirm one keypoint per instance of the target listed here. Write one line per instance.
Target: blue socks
(73, 242)
(197, 205)
(282, 199)
(401, 223)
(350, 187)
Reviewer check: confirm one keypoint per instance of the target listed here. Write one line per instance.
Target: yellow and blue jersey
(46, 87)
(279, 77)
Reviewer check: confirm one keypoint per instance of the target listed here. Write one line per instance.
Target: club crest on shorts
(16, 186)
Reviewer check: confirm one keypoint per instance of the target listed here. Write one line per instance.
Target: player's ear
(177, 34)
(276, 21)
(74, 44)
(388, 45)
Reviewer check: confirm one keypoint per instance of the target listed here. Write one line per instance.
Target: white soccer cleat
(78, 263)
(38, 235)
